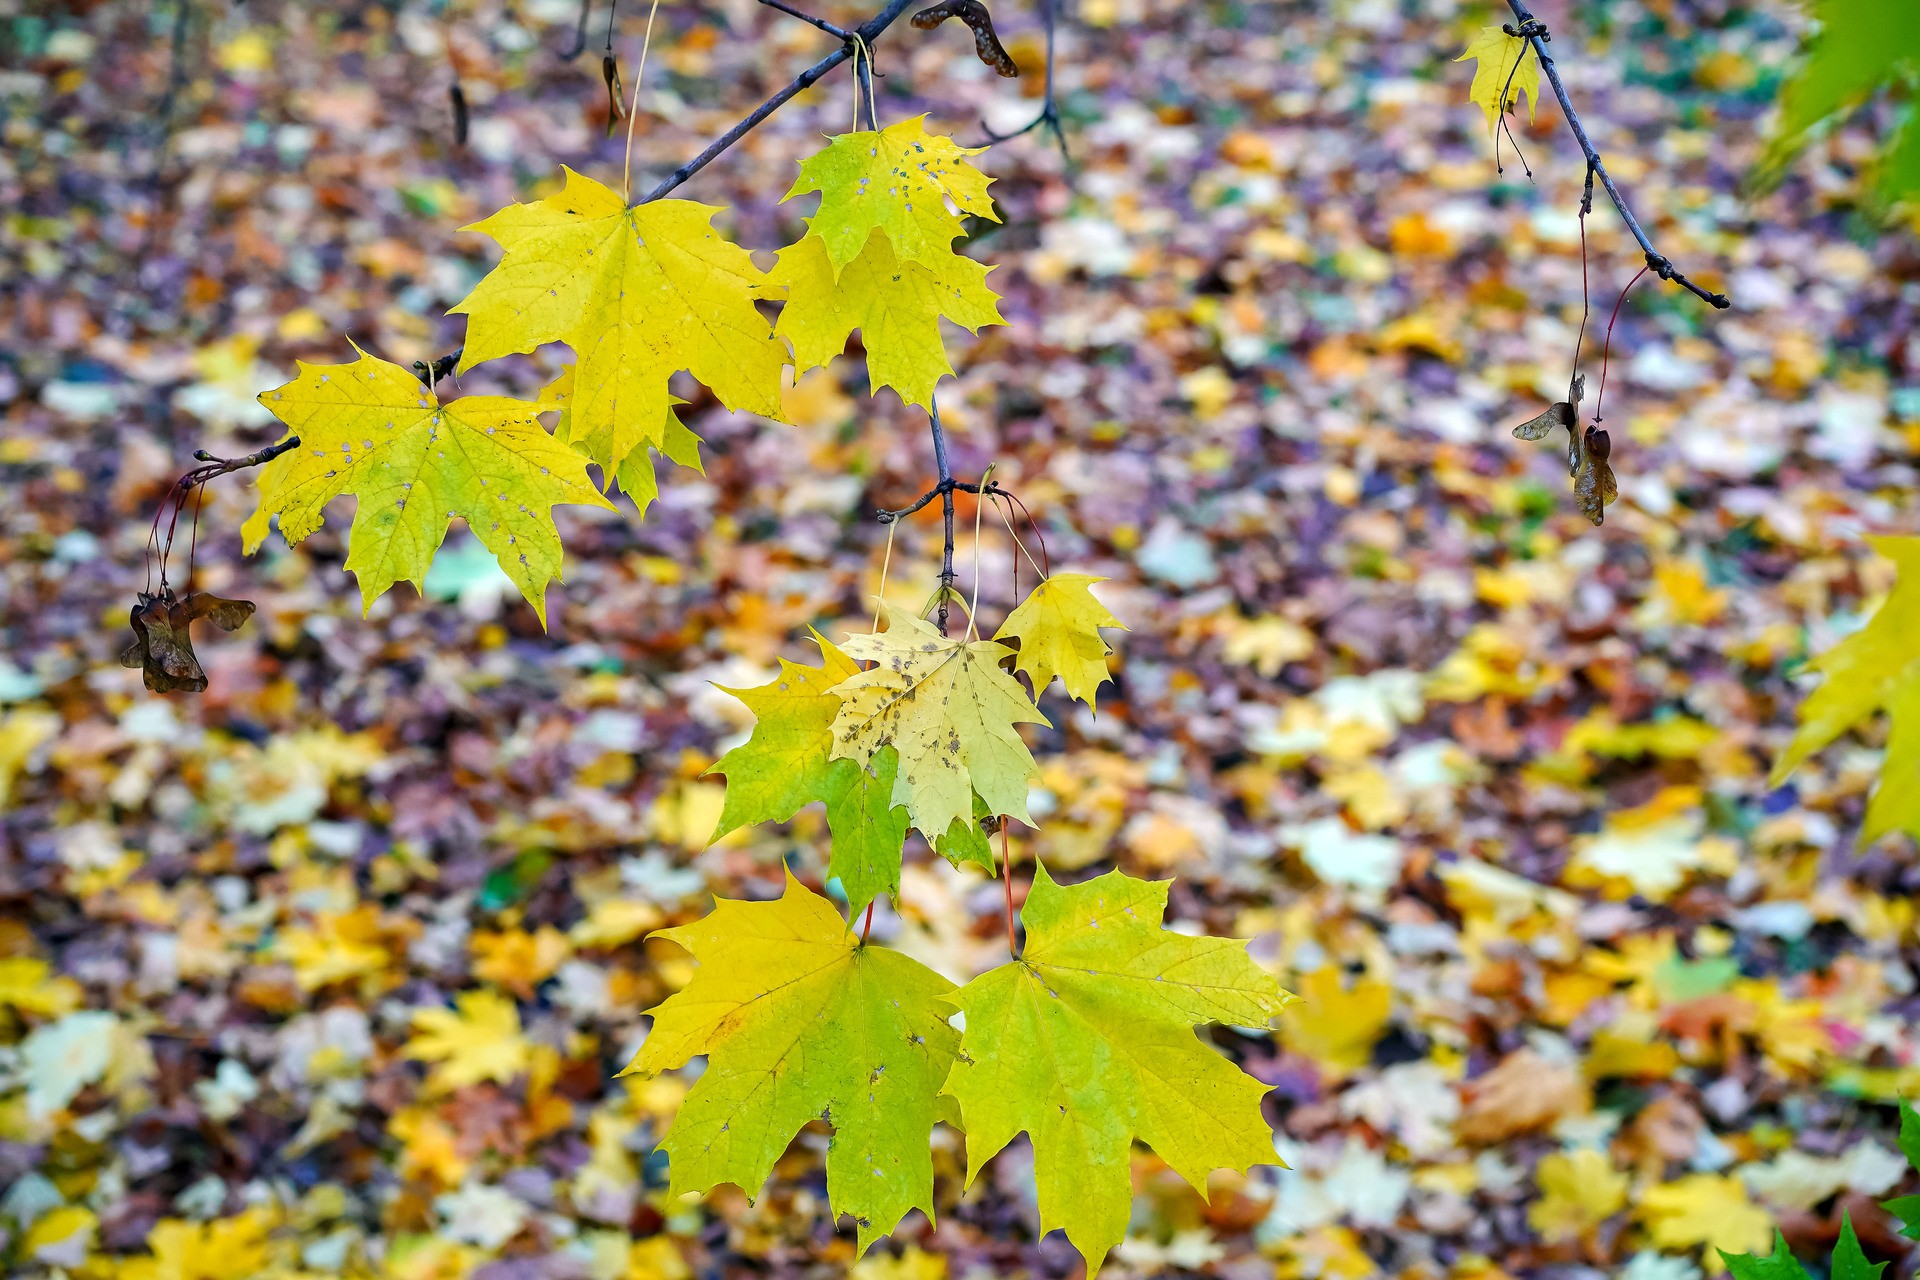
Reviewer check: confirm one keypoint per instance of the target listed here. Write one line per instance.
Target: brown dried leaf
(1522, 1094)
(975, 15)
(162, 648)
(1593, 481)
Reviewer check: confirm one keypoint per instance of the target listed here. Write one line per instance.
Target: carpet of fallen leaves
(330, 968)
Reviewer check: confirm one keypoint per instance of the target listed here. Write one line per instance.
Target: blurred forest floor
(1486, 785)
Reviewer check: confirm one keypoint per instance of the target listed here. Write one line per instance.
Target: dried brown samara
(1593, 482)
(161, 647)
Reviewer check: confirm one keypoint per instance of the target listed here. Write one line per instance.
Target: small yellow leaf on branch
(1058, 627)
(1505, 68)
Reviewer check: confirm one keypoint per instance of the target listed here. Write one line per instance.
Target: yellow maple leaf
(337, 946)
(481, 1041)
(640, 293)
(896, 305)
(61, 1237)
(371, 429)
(1578, 1191)
(29, 984)
(518, 960)
(1877, 668)
(1337, 1025)
(1504, 68)
(1058, 627)
(22, 733)
(949, 710)
(429, 1146)
(233, 1248)
(898, 181)
(1704, 1209)
(634, 473)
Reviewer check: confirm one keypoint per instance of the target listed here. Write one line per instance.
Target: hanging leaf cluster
(1088, 1041)
(639, 294)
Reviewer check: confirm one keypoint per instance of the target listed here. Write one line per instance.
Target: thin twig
(222, 466)
(992, 490)
(1049, 117)
(838, 33)
(868, 31)
(579, 44)
(946, 507)
(1661, 266)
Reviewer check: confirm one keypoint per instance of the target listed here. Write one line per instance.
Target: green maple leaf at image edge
(1849, 1261)
(370, 429)
(1876, 668)
(1907, 1208)
(785, 765)
(801, 1021)
(1089, 1040)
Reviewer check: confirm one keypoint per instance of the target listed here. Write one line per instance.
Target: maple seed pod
(610, 72)
(975, 15)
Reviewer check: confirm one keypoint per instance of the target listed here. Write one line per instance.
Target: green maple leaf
(868, 829)
(964, 841)
(1907, 1208)
(1504, 68)
(799, 1022)
(1058, 627)
(787, 764)
(1778, 1265)
(949, 710)
(897, 181)
(370, 429)
(896, 305)
(1862, 47)
(1876, 668)
(1849, 1259)
(640, 293)
(1088, 1041)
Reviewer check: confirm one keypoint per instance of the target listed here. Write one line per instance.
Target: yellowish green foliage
(633, 473)
(1861, 48)
(899, 181)
(895, 304)
(800, 1021)
(640, 293)
(788, 763)
(1505, 67)
(1088, 1041)
(1877, 668)
(481, 1041)
(1058, 627)
(949, 710)
(373, 430)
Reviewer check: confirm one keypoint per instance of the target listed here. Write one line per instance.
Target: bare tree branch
(1049, 117)
(866, 34)
(838, 33)
(1536, 34)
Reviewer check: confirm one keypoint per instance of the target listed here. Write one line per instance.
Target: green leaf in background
(1863, 46)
